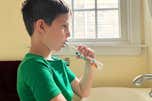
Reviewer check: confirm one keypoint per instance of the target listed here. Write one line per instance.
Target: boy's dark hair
(47, 10)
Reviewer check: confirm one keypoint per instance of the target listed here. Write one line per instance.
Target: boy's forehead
(63, 17)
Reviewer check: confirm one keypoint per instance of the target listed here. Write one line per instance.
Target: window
(95, 19)
(110, 27)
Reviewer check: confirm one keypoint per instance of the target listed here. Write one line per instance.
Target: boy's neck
(40, 49)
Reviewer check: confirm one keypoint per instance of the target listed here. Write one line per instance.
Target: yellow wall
(148, 33)
(13, 38)
(118, 70)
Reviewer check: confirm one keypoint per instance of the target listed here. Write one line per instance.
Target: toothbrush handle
(82, 57)
(93, 61)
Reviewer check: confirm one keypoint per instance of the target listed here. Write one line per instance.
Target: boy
(39, 77)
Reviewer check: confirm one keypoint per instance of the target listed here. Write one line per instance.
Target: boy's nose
(68, 34)
(68, 30)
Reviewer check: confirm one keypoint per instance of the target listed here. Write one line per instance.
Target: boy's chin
(58, 49)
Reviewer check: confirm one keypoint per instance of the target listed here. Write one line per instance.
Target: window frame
(130, 25)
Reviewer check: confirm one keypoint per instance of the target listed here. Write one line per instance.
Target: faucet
(138, 80)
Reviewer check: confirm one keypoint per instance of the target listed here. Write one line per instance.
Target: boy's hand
(86, 52)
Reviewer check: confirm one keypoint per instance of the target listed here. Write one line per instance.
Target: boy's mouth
(63, 44)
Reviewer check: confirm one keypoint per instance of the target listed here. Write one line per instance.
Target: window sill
(108, 48)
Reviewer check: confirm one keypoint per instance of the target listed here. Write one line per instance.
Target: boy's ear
(40, 26)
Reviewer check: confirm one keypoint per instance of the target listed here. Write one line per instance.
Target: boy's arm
(59, 97)
(82, 87)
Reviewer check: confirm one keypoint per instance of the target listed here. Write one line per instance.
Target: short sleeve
(71, 75)
(40, 80)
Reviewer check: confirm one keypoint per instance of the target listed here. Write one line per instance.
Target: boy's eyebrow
(66, 22)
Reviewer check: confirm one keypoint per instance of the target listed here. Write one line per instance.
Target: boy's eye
(64, 26)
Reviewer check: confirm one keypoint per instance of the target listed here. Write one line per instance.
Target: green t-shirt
(39, 79)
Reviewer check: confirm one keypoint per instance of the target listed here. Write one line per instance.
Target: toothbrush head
(66, 43)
